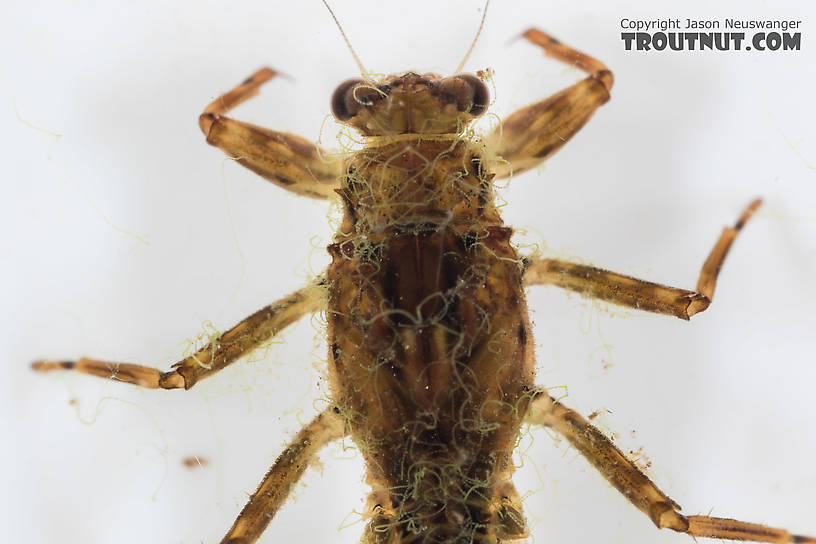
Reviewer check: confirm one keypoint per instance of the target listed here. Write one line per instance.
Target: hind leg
(627, 478)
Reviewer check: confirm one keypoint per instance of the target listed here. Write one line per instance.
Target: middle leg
(639, 294)
(221, 352)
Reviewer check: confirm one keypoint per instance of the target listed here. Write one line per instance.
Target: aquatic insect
(430, 344)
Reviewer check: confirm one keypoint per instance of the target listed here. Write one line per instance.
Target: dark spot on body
(390, 294)
(284, 181)
(369, 253)
(469, 240)
(476, 162)
(522, 335)
(546, 150)
(482, 199)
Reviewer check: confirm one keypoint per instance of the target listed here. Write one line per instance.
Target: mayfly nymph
(431, 358)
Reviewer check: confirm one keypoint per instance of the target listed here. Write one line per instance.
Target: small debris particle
(194, 462)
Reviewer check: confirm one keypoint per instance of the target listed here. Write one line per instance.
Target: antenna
(472, 45)
(363, 71)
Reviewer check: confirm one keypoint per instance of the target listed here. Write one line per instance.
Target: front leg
(532, 134)
(288, 160)
(639, 294)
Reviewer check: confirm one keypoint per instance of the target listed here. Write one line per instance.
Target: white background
(722, 406)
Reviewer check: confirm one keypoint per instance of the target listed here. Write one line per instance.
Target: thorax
(416, 183)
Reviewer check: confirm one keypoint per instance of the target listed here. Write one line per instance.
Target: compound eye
(339, 105)
(351, 96)
(470, 93)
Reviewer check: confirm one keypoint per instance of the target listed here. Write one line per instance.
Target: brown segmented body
(431, 357)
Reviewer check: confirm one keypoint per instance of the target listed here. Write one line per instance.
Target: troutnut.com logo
(711, 34)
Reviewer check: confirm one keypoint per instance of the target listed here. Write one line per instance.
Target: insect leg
(639, 294)
(224, 350)
(532, 134)
(287, 160)
(624, 475)
(287, 470)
